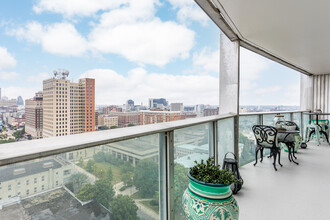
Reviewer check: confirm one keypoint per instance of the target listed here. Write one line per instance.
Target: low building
(126, 118)
(107, 120)
(210, 111)
(25, 179)
(176, 107)
(153, 117)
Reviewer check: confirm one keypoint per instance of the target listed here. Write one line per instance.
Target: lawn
(152, 207)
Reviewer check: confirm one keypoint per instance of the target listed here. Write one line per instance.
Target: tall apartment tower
(68, 108)
(33, 116)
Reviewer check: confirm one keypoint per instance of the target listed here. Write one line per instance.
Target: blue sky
(134, 50)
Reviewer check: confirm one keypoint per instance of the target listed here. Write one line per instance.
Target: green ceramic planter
(204, 201)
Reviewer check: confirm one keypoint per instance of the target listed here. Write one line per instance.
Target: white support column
(229, 76)
(306, 93)
(230, 82)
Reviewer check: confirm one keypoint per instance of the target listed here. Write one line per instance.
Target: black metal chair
(266, 137)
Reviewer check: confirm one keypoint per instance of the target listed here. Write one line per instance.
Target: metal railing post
(170, 173)
(163, 206)
(291, 116)
(260, 119)
(236, 136)
(215, 141)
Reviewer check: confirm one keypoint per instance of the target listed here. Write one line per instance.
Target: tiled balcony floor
(294, 192)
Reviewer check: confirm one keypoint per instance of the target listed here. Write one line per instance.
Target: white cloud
(6, 59)
(58, 38)
(188, 10)
(251, 67)
(139, 85)
(8, 75)
(134, 32)
(268, 90)
(209, 60)
(131, 30)
(15, 91)
(38, 77)
(71, 8)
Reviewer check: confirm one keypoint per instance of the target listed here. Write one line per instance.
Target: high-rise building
(33, 116)
(68, 108)
(157, 103)
(176, 107)
(130, 104)
(20, 101)
(5, 102)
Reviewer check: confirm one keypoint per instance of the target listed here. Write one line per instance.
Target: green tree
(181, 182)
(146, 177)
(90, 166)
(109, 174)
(81, 162)
(127, 179)
(123, 208)
(86, 192)
(130, 125)
(103, 192)
(103, 128)
(78, 181)
(113, 127)
(126, 168)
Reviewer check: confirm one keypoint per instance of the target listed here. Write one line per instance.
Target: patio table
(289, 143)
(317, 124)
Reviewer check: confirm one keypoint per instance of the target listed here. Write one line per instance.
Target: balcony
(39, 177)
(84, 176)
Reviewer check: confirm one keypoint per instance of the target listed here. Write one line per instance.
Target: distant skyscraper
(20, 100)
(157, 103)
(68, 108)
(33, 116)
(176, 107)
(129, 104)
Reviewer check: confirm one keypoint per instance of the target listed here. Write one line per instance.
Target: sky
(134, 50)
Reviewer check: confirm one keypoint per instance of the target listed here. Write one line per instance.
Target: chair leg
(261, 155)
(257, 149)
(279, 157)
(275, 154)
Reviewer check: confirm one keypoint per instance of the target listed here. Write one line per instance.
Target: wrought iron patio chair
(266, 137)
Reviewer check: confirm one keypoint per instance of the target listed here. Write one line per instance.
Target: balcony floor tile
(294, 192)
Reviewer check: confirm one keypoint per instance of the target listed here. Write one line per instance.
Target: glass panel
(85, 184)
(246, 139)
(305, 123)
(268, 119)
(297, 119)
(225, 138)
(286, 117)
(190, 144)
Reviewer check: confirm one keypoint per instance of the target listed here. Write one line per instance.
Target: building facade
(68, 108)
(157, 103)
(176, 107)
(153, 117)
(33, 116)
(126, 118)
(210, 111)
(108, 120)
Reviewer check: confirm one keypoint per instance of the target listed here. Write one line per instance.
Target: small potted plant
(208, 195)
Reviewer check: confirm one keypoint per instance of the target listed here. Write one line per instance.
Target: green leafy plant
(210, 173)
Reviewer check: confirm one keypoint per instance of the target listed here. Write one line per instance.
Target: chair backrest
(290, 125)
(266, 136)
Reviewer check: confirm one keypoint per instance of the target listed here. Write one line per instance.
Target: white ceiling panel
(296, 31)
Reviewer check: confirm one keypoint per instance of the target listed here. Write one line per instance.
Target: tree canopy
(123, 208)
(146, 177)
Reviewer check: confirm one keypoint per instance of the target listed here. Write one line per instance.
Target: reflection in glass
(190, 144)
(85, 184)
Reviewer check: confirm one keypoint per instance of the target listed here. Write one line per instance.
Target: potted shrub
(208, 195)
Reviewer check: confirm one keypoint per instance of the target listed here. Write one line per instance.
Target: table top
(287, 131)
(316, 113)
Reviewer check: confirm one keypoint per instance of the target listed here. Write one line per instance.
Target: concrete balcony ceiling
(294, 32)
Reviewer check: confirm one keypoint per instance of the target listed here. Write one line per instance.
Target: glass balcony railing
(88, 176)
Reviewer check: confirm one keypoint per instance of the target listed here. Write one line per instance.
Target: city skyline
(94, 40)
